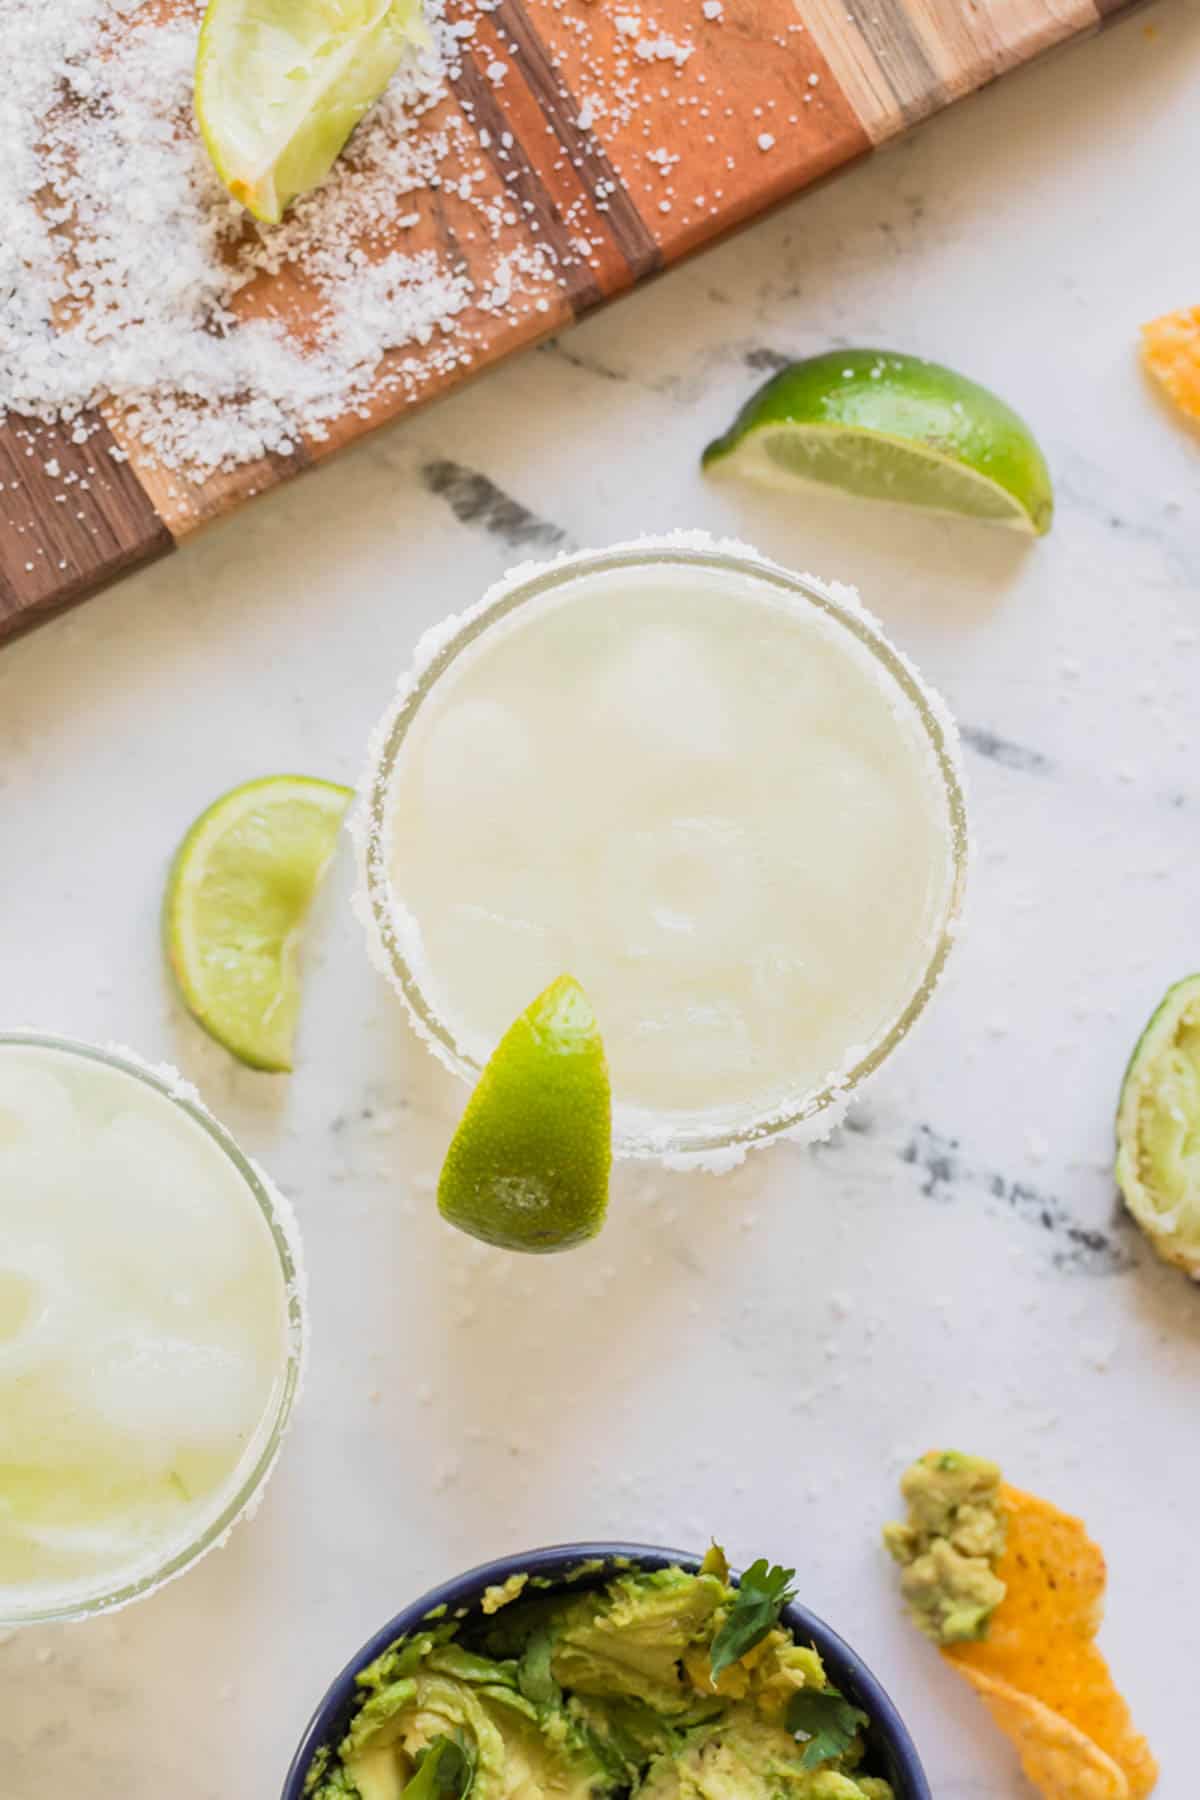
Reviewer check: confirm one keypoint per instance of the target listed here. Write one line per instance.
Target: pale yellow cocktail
(709, 790)
(150, 1328)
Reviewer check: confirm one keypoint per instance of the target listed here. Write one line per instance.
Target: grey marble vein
(1075, 1247)
(474, 499)
(768, 361)
(577, 359)
(1010, 755)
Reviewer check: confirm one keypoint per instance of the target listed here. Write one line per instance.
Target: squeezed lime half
(1158, 1128)
(529, 1164)
(881, 426)
(281, 84)
(237, 896)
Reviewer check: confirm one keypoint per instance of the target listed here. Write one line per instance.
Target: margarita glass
(710, 790)
(151, 1328)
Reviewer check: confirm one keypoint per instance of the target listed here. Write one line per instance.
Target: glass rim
(276, 1216)
(691, 1141)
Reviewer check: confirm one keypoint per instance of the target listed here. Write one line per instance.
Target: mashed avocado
(583, 1695)
(950, 1544)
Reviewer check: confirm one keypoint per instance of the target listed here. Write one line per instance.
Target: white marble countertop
(755, 1356)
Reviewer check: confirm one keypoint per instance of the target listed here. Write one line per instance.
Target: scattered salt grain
(765, 141)
(663, 49)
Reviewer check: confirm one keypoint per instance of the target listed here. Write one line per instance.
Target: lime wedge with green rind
(237, 897)
(281, 84)
(1158, 1128)
(882, 426)
(528, 1168)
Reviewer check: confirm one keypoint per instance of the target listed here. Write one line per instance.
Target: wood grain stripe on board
(715, 119)
(561, 110)
(514, 166)
(184, 506)
(971, 42)
(72, 518)
(880, 62)
(898, 66)
(559, 174)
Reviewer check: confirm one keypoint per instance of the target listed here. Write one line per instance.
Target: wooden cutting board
(804, 87)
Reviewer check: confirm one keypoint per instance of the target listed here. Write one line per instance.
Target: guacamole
(949, 1545)
(583, 1694)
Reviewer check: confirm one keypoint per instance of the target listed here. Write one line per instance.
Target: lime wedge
(237, 897)
(1158, 1128)
(886, 427)
(281, 84)
(528, 1167)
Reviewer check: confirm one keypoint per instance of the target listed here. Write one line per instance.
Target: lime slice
(281, 84)
(237, 896)
(888, 427)
(1158, 1128)
(528, 1167)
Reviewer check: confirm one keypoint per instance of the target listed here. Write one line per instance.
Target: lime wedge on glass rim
(881, 426)
(281, 84)
(529, 1164)
(1158, 1128)
(237, 896)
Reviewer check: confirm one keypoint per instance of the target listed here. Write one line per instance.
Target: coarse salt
(663, 49)
(144, 307)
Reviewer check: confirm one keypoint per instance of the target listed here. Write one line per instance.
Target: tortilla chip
(1040, 1647)
(1060, 1761)
(1171, 353)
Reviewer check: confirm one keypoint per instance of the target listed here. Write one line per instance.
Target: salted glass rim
(272, 1208)
(691, 1139)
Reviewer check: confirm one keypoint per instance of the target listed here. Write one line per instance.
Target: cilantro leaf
(827, 1720)
(763, 1594)
(443, 1771)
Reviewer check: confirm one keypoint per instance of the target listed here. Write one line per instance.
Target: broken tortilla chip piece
(1171, 353)
(1059, 1760)
(1040, 1657)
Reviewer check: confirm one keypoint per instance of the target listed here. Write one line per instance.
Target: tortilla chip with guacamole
(1012, 1591)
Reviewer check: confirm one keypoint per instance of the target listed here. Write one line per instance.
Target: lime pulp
(238, 893)
(1158, 1128)
(281, 84)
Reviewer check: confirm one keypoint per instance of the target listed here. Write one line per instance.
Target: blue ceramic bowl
(892, 1751)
